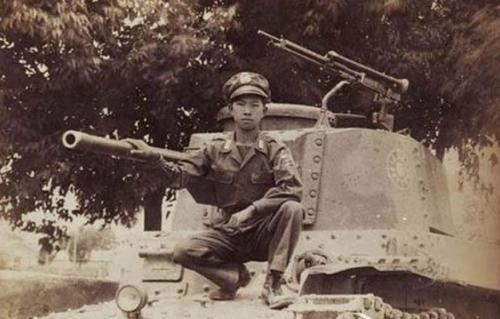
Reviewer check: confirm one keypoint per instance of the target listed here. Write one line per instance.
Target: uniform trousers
(218, 255)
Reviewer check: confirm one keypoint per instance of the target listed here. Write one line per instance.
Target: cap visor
(248, 90)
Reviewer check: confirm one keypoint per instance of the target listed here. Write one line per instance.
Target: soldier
(258, 191)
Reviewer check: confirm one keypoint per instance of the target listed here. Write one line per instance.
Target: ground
(246, 305)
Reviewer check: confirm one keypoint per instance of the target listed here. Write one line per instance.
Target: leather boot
(230, 293)
(272, 293)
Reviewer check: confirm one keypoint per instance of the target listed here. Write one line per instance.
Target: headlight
(130, 298)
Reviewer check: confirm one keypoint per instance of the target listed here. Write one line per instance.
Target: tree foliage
(153, 69)
(116, 68)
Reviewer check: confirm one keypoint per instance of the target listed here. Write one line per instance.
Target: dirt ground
(29, 294)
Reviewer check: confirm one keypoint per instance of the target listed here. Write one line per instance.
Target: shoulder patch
(284, 160)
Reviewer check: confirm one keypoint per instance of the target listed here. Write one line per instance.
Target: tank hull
(379, 236)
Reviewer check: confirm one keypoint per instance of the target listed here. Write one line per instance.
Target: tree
(118, 68)
(153, 70)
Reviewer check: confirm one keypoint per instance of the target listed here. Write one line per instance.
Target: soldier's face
(248, 111)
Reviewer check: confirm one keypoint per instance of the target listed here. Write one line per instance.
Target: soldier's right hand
(142, 150)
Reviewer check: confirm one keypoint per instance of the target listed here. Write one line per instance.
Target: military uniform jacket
(265, 177)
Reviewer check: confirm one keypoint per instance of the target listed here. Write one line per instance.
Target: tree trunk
(152, 210)
(440, 150)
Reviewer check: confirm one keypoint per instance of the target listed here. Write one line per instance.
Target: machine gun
(97, 144)
(387, 89)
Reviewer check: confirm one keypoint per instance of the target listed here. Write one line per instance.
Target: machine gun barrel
(348, 69)
(295, 49)
(400, 85)
(97, 144)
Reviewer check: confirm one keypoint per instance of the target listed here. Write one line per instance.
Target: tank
(378, 238)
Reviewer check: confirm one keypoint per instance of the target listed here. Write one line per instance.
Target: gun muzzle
(83, 141)
(73, 139)
(268, 35)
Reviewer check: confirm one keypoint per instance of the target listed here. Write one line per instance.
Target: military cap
(246, 83)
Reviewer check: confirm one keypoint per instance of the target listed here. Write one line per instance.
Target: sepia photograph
(266, 159)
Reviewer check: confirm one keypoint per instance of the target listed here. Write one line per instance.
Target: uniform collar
(230, 144)
(231, 149)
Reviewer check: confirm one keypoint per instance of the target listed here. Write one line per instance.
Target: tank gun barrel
(82, 141)
(346, 68)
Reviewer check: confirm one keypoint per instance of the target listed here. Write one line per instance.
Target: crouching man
(258, 190)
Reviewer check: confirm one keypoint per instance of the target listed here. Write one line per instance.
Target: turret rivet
(367, 303)
(378, 304)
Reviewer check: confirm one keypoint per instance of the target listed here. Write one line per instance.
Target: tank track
(435, 313)
(358, 307)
